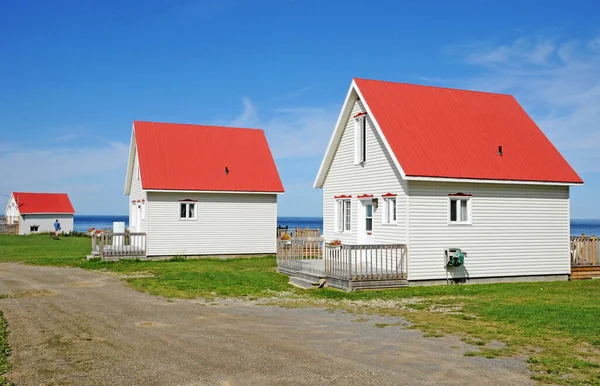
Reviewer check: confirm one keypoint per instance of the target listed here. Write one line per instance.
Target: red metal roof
(51, 203)
(450, 133)
(195, 157)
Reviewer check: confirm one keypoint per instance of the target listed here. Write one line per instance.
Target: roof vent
(500, 151)
(226, 170)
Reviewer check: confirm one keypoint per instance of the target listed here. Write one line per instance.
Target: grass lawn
(4, 350)
(556, 325)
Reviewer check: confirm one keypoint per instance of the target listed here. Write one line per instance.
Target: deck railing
(366, 262)
(290, 253)
(9, 225)
(298, 232)
(585, 251)
(109, 244)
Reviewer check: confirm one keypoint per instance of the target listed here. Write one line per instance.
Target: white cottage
(440, 169)
(202, 190)
(37, 212)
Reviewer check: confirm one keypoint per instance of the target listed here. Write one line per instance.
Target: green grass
(554, 324)
(4, 350)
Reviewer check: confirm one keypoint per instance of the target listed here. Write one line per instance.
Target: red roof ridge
(201, 125)
(435, 87)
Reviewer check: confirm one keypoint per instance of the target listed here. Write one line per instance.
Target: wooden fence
(366, 262)
(118, 245)
(290, 253)
(298, 232)
(585, 251)
(9, 225)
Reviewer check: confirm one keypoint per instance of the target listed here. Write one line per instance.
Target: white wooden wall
(12, 212)
(45, 222)
(517, 230)
(377, 176)
(137, 193)
(226, 224)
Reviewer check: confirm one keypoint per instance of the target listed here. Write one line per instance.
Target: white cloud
(92, 176)
(557, 82)
(292, 132)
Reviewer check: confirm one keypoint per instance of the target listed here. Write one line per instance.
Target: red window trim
(343, 196)
(389, 195)
(460, 195)
(188, 200)
(359, 115)
(365, 196)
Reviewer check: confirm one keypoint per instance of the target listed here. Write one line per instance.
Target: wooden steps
(589, 272)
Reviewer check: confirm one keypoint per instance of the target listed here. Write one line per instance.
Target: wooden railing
(119, 244)
(298, 232)
(290, 253)
(366, 262)
(585, 251)
(9, 225)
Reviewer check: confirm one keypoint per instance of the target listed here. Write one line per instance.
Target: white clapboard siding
(517, 230)
(377, 176)
(137, 193)
(45, 222)
(226, 224)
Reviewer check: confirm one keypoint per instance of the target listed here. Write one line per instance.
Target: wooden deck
(310, 263)
(117, 246)
(585, 257)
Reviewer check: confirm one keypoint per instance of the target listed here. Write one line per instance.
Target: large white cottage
(37, 212)
(202, 190)
(438, 169)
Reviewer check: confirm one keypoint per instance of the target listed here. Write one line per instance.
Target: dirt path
(70, 326)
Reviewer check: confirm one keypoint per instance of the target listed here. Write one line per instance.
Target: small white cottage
(202, 190)
(37, 212)
(441, 169)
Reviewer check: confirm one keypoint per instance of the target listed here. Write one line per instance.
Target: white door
(365, 230)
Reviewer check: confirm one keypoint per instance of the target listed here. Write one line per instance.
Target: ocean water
(83, 222)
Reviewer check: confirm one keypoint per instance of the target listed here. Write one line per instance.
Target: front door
(365, 231)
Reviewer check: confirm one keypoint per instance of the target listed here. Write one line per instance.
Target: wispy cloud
(93, 176)
(294, 132)
(558, 83)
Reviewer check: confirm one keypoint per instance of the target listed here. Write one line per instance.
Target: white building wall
(11, 213)
(45, 222)
(517, 230)
(138, 194)
(226, 224)
(377, 176)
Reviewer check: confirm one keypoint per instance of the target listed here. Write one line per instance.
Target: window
(388, 215)
(460, 210)
(187, 211)
(134, 219)
(343, 215)
(360, 140)
(369, 217)
(34, 228)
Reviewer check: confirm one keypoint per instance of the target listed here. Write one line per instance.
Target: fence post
(593, 251)
(102, 246)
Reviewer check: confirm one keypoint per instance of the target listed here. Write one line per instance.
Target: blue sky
(74, 75)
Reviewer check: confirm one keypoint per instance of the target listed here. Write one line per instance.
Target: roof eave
(491, 181)
(214, 191)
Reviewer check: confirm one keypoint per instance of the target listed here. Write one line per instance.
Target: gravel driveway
(70, 326)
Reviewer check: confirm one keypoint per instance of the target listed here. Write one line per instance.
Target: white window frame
(134, 220)
(456, 201)
(360, 140)
(37, 228)
(386, 212)
(343, 215)
(187, 211)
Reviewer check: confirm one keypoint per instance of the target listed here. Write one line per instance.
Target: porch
(585, 257)
(311, 263)
(110, 246)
